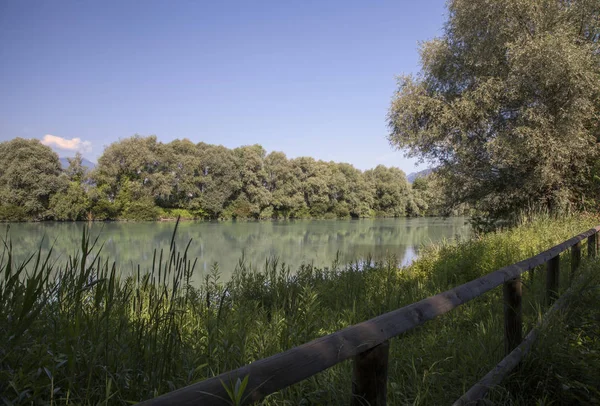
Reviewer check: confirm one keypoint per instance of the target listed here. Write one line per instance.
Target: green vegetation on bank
(564, 366)
(139, 178)
(77, 332)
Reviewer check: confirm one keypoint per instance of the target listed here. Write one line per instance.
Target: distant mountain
(88, 164)
(412, 176)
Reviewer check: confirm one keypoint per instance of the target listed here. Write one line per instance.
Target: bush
(72, 204)
(11, 212)
(184, 214)
(144, 210)
(105, 210)
(241, 208)
(266, 213)
(341, 210)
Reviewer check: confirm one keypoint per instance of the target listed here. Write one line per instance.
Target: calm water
(295, 242)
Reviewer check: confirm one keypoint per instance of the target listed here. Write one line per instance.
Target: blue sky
(310, 78)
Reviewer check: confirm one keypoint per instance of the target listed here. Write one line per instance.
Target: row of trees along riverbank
(140, 178)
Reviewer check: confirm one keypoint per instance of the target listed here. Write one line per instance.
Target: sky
(308, 78)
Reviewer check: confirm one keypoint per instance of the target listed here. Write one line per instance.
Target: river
(293, 242)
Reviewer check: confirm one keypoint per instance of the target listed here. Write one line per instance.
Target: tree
(76, 171)
(102, 207)
(29, 175)
(358, 194)
(427, 198)
(418, 203)
(133, 174)
(137, 159)
(507, 104)
(287, 198)
(253, 195)
(391, 191)
(186, 168)
(71, 204)
(219, 182)
(314, 177)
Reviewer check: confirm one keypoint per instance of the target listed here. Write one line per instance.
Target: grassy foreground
(77, 333)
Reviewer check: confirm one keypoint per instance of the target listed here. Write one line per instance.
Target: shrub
(144, 210)
(11, 212)
(103, 209)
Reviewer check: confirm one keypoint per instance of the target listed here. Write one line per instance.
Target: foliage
(506, 105)
(183, 214)
(80, 332)
(391, 195)
(138, 177)
(76, 172)
(141, 178)
(29, 175)
(11, 212)
(72, 204)
(103, 209)
(141, 210)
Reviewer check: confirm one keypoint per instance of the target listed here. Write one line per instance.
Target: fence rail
(367, 342)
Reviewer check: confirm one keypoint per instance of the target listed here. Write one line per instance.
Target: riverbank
(83, 334)
(183, 215)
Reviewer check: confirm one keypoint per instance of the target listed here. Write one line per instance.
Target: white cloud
(73, 144)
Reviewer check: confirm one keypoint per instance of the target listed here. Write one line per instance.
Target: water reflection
(295, 242)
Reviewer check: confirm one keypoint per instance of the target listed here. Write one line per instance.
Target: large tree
(219, 180)
(137, 159)
(507, 104)
(287, 198)
(391, 191)
(29, 175)
(254, 195)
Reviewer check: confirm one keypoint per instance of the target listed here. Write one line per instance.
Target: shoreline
(233, 220)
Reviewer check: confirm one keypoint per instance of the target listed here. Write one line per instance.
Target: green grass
(564, 365)
(78, 333)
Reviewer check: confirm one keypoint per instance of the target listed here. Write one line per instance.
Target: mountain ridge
(414, 175)
(85, 162)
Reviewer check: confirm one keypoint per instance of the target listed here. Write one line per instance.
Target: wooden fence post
(369, 378)
(575, 259)
(552, 279)
(513, 322)
(591, 241)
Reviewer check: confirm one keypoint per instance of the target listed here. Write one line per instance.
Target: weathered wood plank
(281, 370)
(575, 259)
(369, 377)
(513, 322)
(591, 242)
(552, 280)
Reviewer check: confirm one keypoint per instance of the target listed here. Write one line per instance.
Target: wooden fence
(367, 342)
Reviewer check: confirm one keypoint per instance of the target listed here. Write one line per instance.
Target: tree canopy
(141, 178)
(29, 175)
(507, 105)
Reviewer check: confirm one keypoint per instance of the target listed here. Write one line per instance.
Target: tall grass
(564, 365)
(76, 332)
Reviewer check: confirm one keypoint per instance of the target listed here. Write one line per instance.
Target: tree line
(140, 178)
